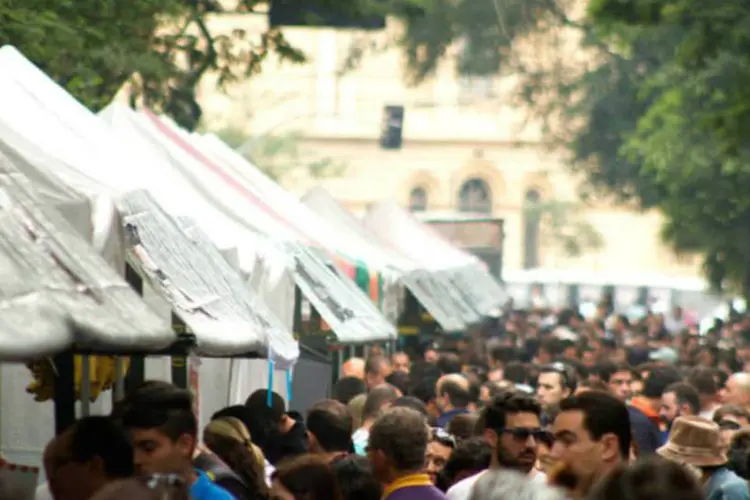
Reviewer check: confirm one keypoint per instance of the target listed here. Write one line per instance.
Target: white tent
(67, 145)
(431, 296)
(399, 228)
(351, 316)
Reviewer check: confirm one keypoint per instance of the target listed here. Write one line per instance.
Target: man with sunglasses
(512, 426)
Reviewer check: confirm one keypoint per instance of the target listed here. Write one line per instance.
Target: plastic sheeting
(418, 281)
(56, 290)
(465, 272)
(62, 138)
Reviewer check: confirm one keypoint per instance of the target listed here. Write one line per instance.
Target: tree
(278, 155)
(563, 225)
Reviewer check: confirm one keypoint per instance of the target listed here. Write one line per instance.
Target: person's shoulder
(216, 492)
(462, 489)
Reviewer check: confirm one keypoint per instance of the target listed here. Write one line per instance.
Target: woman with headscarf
(229, 439)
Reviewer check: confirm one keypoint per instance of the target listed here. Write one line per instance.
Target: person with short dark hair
(398, 441)
(704, 381)
(308, 477)
(648, 479)
(280, 434)
(356, 480)
(329, 425)
(592, 436)
(512, 426)
(679, 399)
(164, 432)
(92, 453)
(449, 363)
(400, 380)
(424, 390)
(555, 382)
(345, 389)
(413, 403)
(470, 457)
(463, 426)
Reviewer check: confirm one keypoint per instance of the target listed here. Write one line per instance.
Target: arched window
(475, 196)
(532, 219)
(418, 199)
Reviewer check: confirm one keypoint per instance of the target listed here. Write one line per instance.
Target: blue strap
(289, 385)
(269, 400)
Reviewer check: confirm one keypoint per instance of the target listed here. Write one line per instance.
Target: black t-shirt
(222, 475)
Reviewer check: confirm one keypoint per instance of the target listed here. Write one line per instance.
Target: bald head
(354, 367)
(456, 378)
(738, 390)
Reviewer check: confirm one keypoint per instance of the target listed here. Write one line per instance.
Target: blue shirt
(205, 489)
(442, 420)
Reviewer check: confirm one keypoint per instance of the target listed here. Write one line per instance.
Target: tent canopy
(56, 291)
(230, 197)
(41, 119)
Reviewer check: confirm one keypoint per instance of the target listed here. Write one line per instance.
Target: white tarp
(430, 296)
(232, 197)
(467, 273)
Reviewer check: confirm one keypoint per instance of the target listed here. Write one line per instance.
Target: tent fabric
(318, 229)
(231, 199)
(56, 291)
(89, 157)
(465, 272)
(429, 290)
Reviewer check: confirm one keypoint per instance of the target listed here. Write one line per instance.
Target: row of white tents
(216, 243)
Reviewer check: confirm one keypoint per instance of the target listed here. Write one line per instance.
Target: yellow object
(101, 371)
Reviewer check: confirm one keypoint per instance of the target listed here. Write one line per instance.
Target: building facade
(465, 148)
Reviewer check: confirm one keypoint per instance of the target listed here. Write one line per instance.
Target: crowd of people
(536, 406)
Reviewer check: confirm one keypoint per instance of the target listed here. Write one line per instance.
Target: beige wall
(453, 131)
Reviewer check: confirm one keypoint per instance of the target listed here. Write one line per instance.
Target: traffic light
(391, 135)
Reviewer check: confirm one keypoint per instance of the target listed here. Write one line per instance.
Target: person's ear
(96, 467)
(491, 437)
(186, 444)
(610, 447)
(685, 410)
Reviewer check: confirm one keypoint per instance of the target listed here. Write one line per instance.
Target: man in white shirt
(511, 426)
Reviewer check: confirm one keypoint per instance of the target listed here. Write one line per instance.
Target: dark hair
(458, 396)
(732, 410)
(399, 380)
(495, 415)
(378, 396)
(649, 478)
(704, 381)
(402, 435)
(516, 373)
(413, 403)
(257, 403)
(161, 406)
(474, 454)
(503, 354)
(356, 479)
(606, 369)
(347, 388)
(448, 363)
(567, 374)
(102, 437)
(658, 380)
(595, 385)
(309, 477)
(603, 414)
(424, 390)
(462, 425)
(331, 424)
(686, 394)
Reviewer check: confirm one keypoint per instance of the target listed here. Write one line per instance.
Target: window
(418, 199)
(532, 219)
(475, 196)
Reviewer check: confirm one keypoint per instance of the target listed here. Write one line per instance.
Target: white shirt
(43, 492)
(462, 489)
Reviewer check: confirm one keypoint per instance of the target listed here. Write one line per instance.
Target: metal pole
(85, 386)
(119, 379)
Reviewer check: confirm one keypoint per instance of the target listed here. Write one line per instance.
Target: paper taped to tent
(446, 312)
(65, 142)
(239, 204)
(56, 291)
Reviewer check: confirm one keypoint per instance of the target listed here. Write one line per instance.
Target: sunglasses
(443, 437)
(524, 433)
